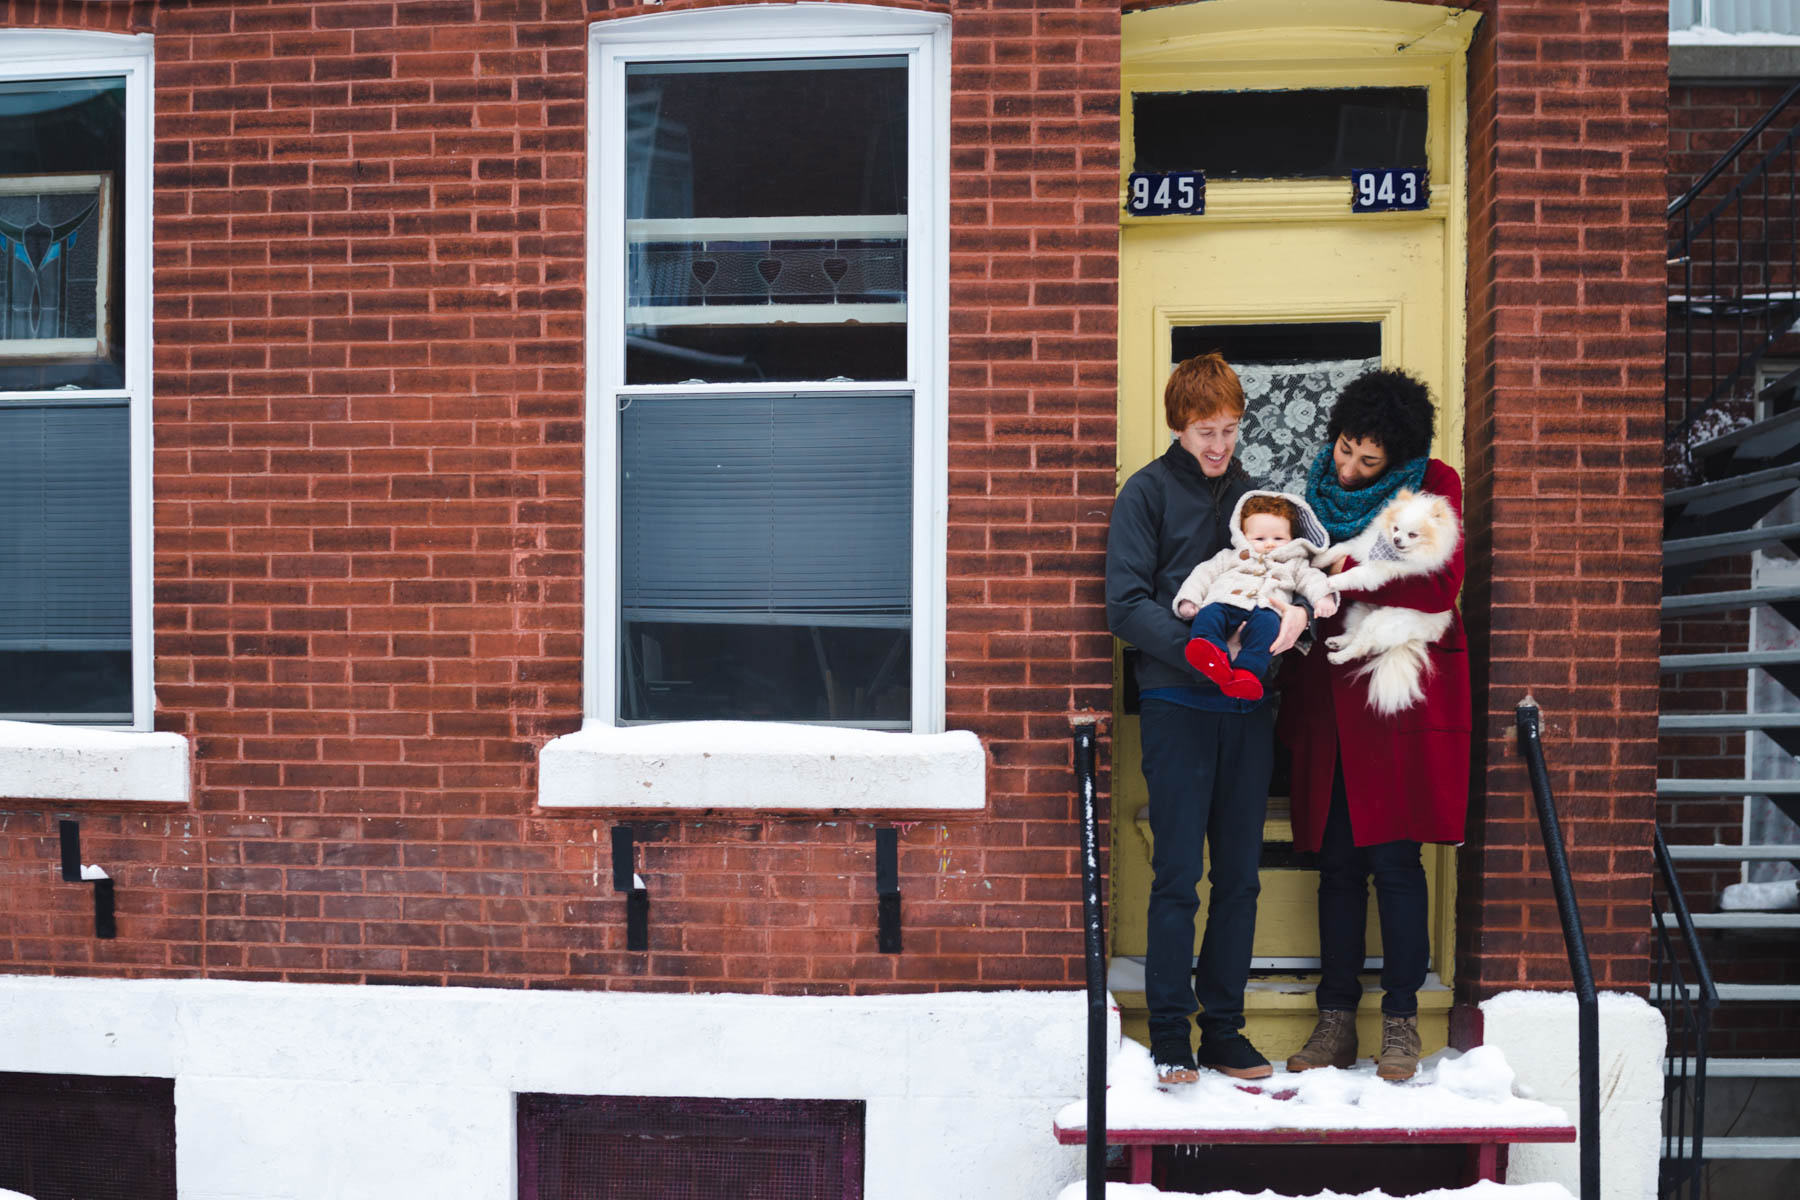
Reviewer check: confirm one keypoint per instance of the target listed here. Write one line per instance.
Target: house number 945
(1166, 193)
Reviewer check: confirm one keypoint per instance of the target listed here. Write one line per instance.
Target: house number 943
(1389, 189)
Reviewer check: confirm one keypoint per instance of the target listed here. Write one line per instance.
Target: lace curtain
(1286, 405)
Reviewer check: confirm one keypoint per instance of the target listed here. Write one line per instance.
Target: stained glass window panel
(62, 157)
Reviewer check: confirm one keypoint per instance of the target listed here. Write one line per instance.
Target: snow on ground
(1473, 1090)
(1485, 1190)
(1777, 895)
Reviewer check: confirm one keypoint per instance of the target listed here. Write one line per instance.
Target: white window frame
(770, 765)
(120, 762)
(788, 31)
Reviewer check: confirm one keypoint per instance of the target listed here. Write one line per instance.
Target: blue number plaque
(1166, 193)
(1390, 189)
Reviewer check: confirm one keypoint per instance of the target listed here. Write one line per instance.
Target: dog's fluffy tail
(1394, 677)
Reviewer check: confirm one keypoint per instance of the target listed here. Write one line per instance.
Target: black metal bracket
(626, 880)
(105, 926)
(887, 890)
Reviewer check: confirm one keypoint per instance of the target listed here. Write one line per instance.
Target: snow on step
(1774, 896)
(1485, 1190)
(1452, 1092)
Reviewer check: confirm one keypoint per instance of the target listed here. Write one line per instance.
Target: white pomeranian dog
(1416, 534)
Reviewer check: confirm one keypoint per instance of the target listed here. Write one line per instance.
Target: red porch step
(1486, 1144)
(1478, 1191)
(1463, 1100)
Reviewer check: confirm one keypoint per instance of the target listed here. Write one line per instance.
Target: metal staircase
(1733, 465)
(1746, 475)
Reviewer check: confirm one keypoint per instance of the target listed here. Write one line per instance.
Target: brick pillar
(1033, 414)
(1565, 361)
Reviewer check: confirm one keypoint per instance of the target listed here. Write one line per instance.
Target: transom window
(765, 433)
(1306, 133)
(74, 395)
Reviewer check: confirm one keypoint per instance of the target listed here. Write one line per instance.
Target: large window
(74, 404)
(766, 406)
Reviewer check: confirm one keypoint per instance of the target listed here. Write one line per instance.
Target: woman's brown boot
(1332, 1044)
(1399, 1058)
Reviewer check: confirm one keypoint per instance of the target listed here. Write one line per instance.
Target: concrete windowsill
(761, 766)
(61, 762)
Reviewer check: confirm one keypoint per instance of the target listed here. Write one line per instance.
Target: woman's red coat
(1407, 776)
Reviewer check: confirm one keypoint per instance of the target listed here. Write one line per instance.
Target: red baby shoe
(1210, 660)
(1243, 685)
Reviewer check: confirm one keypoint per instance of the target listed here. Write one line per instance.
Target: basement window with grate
(96, 1137)
(681, 1148)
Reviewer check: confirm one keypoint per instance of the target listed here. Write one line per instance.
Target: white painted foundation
(329, 1092)
(1537, 1033)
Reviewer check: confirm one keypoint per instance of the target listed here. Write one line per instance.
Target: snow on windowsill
(762, 766)
(65, 762)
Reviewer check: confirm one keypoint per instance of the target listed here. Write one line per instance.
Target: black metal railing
(1688, 1000)
(1087, 780)
(1587, 1001)
(1738, 290)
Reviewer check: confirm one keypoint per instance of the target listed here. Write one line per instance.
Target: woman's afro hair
(1388, 407)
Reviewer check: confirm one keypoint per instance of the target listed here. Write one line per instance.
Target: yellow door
(1300, 294)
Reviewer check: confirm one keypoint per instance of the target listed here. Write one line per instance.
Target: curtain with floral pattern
(1286, 405)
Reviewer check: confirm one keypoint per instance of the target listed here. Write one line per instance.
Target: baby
(1249, 584)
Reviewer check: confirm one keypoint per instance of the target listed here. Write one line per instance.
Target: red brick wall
(369, 279)
(369, 273)
(1564, 428)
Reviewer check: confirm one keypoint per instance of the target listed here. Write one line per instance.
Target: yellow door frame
(1277, 45)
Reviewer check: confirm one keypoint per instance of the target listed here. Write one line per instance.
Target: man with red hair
(1206, 756)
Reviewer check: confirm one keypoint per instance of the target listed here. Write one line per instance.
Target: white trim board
(69, 762)
(763, 766)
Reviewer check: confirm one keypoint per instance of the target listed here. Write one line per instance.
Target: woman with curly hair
(1368, 789)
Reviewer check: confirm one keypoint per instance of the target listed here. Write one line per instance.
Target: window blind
(789, 506)
(65, 526)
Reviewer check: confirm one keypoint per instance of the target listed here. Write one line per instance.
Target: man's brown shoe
(1332, 1044)
(1399, 1059)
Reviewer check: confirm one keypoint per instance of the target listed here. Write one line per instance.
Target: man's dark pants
(1208, 777)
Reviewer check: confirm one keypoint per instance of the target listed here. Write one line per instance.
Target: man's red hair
(1202, 388)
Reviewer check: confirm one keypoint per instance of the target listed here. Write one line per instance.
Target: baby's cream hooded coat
(1239, 576)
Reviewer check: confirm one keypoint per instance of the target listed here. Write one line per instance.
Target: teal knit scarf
(1344, 512)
